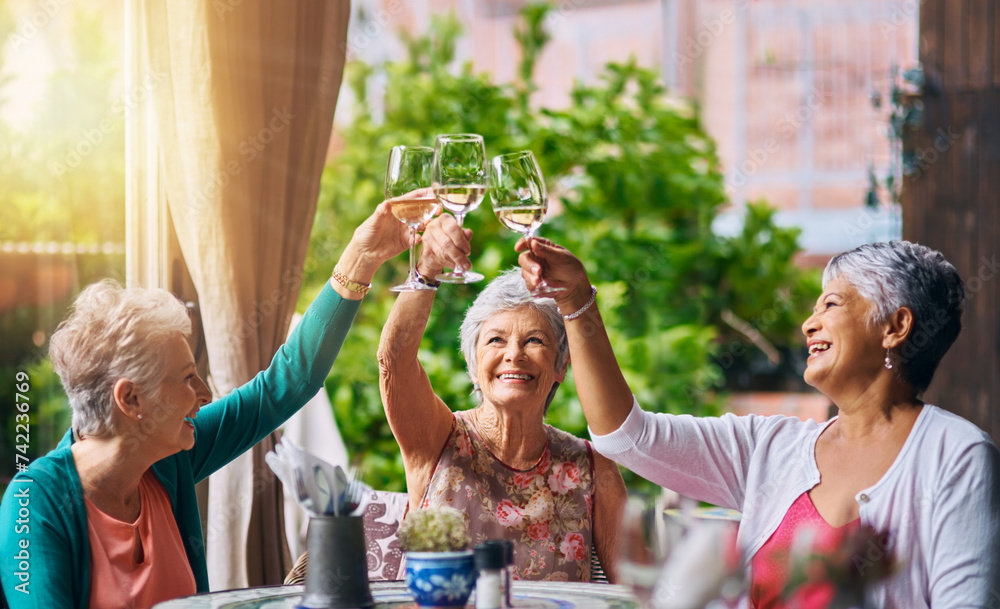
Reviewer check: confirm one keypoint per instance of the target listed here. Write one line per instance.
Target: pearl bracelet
(583, 309)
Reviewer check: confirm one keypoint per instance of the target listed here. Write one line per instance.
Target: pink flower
(538, 531)
(572, 547)
(464, 445)
(565, 477)
(524, 480)
(508, 514)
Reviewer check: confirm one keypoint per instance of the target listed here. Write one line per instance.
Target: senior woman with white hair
(886, 317)
(110, 518)
(516, 477)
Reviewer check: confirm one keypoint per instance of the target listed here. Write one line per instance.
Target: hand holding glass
(409, 169)
(520, 201)
(459, 175)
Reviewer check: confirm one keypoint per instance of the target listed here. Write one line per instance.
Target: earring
(888, 362)
(138, 416)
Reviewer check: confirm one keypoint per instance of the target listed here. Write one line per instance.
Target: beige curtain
(244, 95)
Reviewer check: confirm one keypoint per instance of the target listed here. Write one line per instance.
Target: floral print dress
(546, 510)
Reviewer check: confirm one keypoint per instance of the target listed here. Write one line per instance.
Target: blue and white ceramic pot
(441, 579)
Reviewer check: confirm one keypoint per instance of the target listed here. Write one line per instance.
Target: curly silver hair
(507, 293)
(113, 333)
(897, 274)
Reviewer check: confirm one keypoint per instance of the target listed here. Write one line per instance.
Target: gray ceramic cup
(337, 575)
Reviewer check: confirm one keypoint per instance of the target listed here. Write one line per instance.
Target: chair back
(381, 520)
(382, 517)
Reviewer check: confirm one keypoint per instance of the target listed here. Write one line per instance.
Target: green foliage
(639, 185)
(47, 409)
(62, 175)
(62, 178)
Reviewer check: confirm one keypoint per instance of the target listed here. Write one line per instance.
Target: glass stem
(413, 252)
(528, 236)
(459, 218)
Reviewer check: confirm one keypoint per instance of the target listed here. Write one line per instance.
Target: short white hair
(113, 333)
(508, 293)
(896, 274)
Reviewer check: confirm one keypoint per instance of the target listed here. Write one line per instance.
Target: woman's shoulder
(50, 482)
(563, 441)
(52, 467)
(951, 432)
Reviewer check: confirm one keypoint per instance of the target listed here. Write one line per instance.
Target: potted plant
(440, 571)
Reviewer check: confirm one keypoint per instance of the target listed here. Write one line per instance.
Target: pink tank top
(770, 563)
(142, 563)
(546, 510)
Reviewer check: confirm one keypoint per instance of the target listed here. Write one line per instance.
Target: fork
(354, 491)
(305, 499)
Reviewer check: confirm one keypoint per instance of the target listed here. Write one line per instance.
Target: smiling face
(844, 349)
(516, 353)
(181, 394)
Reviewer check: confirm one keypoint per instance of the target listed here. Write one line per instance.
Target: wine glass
(459, 176)
(409, 169)
(517, 190)
(644, 544)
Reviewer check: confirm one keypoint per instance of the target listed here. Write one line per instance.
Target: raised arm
(232, 424)
(604, 395)
(419, 419)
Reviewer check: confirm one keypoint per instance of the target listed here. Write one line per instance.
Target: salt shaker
(508, 563)
(489, 559)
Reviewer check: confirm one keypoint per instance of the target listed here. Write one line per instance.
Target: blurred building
(785, 87)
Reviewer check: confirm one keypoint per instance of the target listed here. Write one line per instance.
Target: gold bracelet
(350, 284)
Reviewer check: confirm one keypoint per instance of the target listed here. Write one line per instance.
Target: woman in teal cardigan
(144, 433)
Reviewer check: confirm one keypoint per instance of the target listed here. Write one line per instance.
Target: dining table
(526, 595)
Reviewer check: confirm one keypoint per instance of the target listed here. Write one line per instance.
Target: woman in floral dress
(514, 476)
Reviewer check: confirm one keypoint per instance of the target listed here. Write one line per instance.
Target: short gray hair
(111, 334)
(897, 274)
(507, 293)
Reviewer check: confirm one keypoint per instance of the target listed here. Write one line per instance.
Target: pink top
(770, 563)
(129, 565)
(546, 510)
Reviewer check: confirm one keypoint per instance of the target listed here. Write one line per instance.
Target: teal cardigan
(43, 520)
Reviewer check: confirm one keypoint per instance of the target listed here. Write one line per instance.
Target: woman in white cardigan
(886, 317)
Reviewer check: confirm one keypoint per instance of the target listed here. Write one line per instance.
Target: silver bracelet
(583, 309)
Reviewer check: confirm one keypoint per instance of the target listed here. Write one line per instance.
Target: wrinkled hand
(541, 259)
(445, 245)
(382, 236)
(379, 238)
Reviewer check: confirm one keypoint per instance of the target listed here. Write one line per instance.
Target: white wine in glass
(460, 199)
(520, 200)
(524, 220)
(409, 169)
(415, 212)
(459, 175)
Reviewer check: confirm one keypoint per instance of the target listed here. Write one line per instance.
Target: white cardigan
(940, 499)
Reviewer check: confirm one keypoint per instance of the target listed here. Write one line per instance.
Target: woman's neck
(110, 474)
(883, 408)
(517, 438)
